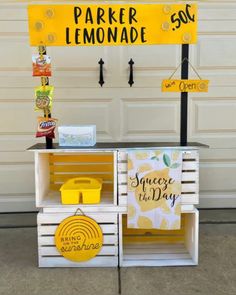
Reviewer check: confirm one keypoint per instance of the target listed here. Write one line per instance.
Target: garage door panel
(9, 12)
(16, 157)
(90, 112)
(153, 111)
(15, 59)
(18, 142)
(214, 116)
(218, 177)
(218, 155)
(223, 56)
(116, 108)
(17, 179)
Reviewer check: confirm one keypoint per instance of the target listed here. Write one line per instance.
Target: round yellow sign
(79, 238)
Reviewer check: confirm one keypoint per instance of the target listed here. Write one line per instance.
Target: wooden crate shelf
(49, 256)
(53, 169)
(157, 247)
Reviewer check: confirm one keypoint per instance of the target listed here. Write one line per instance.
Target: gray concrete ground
(216, 273)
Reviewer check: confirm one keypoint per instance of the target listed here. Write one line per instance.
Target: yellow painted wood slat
(106, 187)
(152, 239)
(152, 232)
(65, 177)
(82, 168)
(81, 158)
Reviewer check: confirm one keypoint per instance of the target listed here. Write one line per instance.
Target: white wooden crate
(54, 168)
(160, 248)
(49, 256)
(190, 178)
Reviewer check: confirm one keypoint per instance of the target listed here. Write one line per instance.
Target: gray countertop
(120, 145)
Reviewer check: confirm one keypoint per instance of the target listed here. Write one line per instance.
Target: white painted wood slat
(160, 262)
(52, 218)
(52, 251)
(157, 256)
(62, 262)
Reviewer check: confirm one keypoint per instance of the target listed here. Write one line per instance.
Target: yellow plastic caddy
(85, 190)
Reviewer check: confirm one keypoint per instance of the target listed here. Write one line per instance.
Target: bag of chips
(43, 98)
(46, 127)
(41, 65)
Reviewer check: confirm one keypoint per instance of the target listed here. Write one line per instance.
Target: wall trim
(217, 200)
(17, 204)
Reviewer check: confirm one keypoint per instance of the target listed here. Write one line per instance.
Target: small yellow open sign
(185, 85)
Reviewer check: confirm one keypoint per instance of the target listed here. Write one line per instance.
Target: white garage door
(121, 113)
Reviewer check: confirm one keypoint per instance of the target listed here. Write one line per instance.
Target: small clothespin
(46, 112)
(41, 50)
(44, 82)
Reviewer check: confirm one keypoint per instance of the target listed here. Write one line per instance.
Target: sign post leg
(49, 142)
(184, 97)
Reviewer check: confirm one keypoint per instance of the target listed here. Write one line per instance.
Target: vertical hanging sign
(112, 24)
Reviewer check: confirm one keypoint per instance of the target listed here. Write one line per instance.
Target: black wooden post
(49, 143)
(184, 98)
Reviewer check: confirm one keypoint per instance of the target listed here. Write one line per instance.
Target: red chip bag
(46, 127)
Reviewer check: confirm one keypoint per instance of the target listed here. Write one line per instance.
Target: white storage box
(81, 135)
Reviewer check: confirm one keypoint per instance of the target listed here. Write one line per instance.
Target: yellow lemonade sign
(185, 85)
(79, 238)
(112, 24)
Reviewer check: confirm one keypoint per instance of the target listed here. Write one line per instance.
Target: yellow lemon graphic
(141, 155)
(175, 155)
(176, 225)
(131, 211)
(164, 224)
(144, 167)
(157, 153)
(178, 209)
(176, 188)
(165, 208)
(144, 222)
(130, 164)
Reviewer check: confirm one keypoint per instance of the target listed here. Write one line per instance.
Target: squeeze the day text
(154, 189)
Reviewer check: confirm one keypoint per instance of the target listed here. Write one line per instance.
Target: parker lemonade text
(119, 26)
